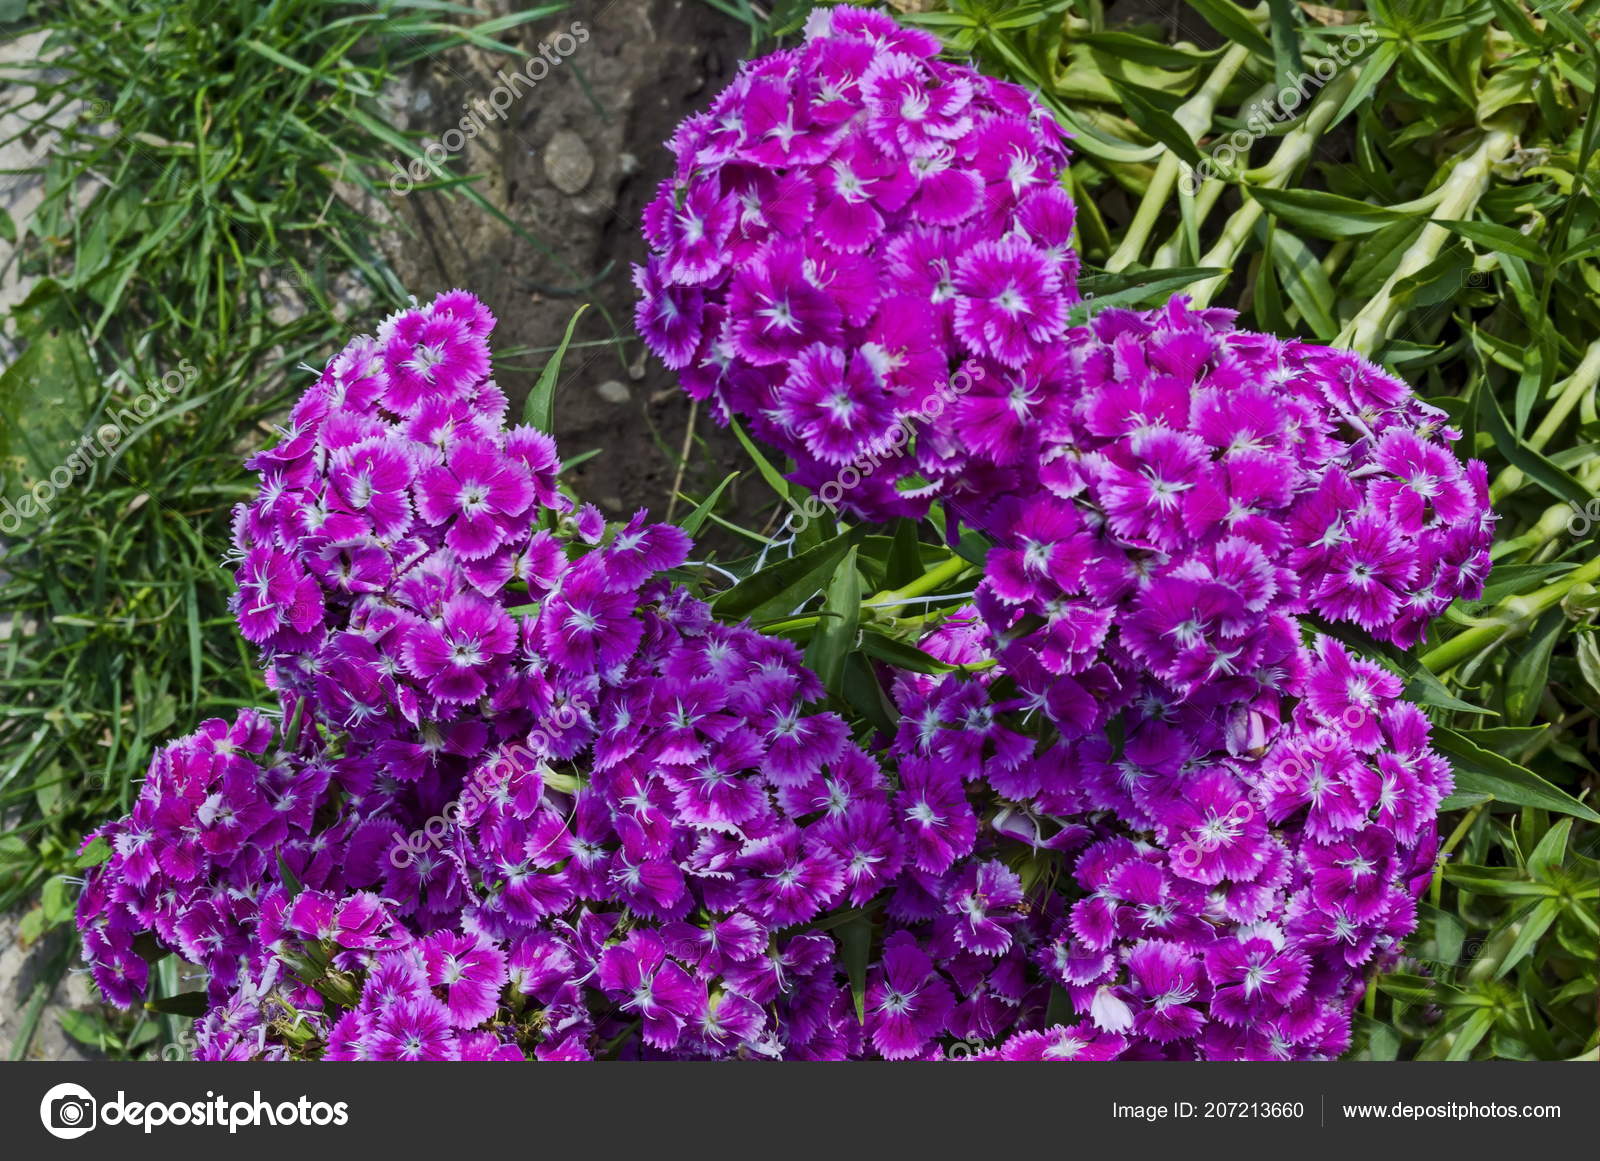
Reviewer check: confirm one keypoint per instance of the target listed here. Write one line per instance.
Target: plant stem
(1194, 115)
(941, 573)
(1510, 618)
(1458, 197)
(1292, 151)
(1577, 386)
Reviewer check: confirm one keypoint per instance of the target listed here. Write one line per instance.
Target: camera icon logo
(68, 1111)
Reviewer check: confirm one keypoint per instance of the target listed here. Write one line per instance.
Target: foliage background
(1428, 200)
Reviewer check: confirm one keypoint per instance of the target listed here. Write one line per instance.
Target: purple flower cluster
(1198, 487)
(848, 224)
(640, 820)
(1222, 905)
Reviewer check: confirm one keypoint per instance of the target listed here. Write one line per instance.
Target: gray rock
(614, 391)
(568, 162)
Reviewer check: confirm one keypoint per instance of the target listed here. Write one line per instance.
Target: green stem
(1510, 618)
(941, 573)
(1458, 198)
(1436, 888)
(1573, 391)
(1293, 150)
(1194, 115)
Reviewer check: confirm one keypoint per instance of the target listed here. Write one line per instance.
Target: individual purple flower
(907, 1003)
(480, 491)
(470, 970)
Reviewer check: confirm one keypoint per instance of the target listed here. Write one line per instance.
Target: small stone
(422, 102)
(611, 503)
(567, 162)
(627, 164)
(614, 391)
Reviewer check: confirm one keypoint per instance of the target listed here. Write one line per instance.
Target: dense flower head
(1222, 905)
(519, 780)
(525, 795)
(856, 232)
(1199, 490)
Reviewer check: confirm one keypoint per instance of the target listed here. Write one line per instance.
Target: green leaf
(879, 645)
(692, 522)
(1325, 215)
(191, 1004)
(57, 901)
(1561, 484)
(1534, 925)
(82, 1027)
(288, 876)
(1230, 20)
(1509, 882)
(835, 637)
(1307, 284)
(1128, 46)
(779, 589)
(1485, 772)
(1500, 239)
(905, 555)
(1373, 70)
(1525, 681)
(770, 474)
(94, 854)
(540, 409)
(1155, 122)
(1135, 288)
(1283, 24)
(1546, 857)
(855, 946)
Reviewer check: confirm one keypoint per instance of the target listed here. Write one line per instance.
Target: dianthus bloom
(1219, 905)
(857, 233)
(1200, 490)
(524, 792)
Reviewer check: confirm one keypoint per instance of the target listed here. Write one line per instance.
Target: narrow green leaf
(1485, 772)
(901, 654)
(1325, 215)
(540, 409)
(192, 1004)
(855, 945)
(777, 590)
(692, 522)
(1500, 239)
(1154, 121)
(835, 637)
(1234, 24)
